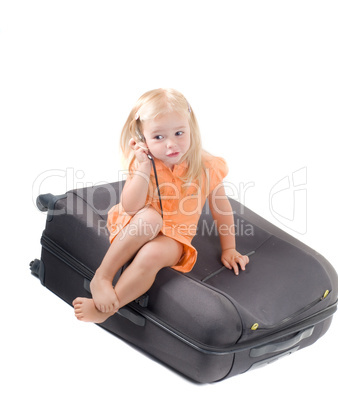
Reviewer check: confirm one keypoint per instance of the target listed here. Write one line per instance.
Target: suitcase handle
(132, 316)
(281, 346)
(46, 203)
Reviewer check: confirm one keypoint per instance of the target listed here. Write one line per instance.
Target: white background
(261, 77)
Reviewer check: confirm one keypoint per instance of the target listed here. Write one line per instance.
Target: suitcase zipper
(247, 345)
(256, 327)
(52, 247)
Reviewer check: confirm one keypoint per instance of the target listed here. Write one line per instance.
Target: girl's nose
(170, 143)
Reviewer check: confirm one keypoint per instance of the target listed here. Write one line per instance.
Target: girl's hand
(140, 150)
(232, 258)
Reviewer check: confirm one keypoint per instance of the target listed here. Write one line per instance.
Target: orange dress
(182, 204)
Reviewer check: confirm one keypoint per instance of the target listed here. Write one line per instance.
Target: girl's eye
(178, 133)
(159, 137)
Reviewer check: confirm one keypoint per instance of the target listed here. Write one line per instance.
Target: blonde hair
(155, 103)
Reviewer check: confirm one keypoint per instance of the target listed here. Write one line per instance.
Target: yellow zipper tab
(325, 294)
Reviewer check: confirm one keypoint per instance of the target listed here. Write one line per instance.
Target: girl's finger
(226, 264)
(235, 267)
(142, 146)
(241, 262)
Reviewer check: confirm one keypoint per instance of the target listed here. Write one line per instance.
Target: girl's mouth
(172, 155)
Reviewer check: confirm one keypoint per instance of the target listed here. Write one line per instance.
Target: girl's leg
(140, 275)
(137, 278)
(144, 226)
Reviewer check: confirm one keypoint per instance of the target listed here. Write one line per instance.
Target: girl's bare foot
(86, 311)
(104, 295)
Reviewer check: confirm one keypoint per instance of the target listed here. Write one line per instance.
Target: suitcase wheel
(38, 270)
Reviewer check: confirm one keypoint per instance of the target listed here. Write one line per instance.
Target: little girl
(154, 231)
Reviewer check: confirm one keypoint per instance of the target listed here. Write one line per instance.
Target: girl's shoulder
(215, 163)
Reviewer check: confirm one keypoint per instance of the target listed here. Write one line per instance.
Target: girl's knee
(149, 222)
(159, 253)
(150, 257)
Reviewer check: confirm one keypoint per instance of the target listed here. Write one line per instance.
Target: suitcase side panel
(195, 363)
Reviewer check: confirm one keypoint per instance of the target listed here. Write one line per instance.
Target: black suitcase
(207, 324)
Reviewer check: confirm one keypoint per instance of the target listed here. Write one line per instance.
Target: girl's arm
(222, 214)
(134, 193)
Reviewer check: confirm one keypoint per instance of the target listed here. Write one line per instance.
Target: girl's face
(168, 137)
